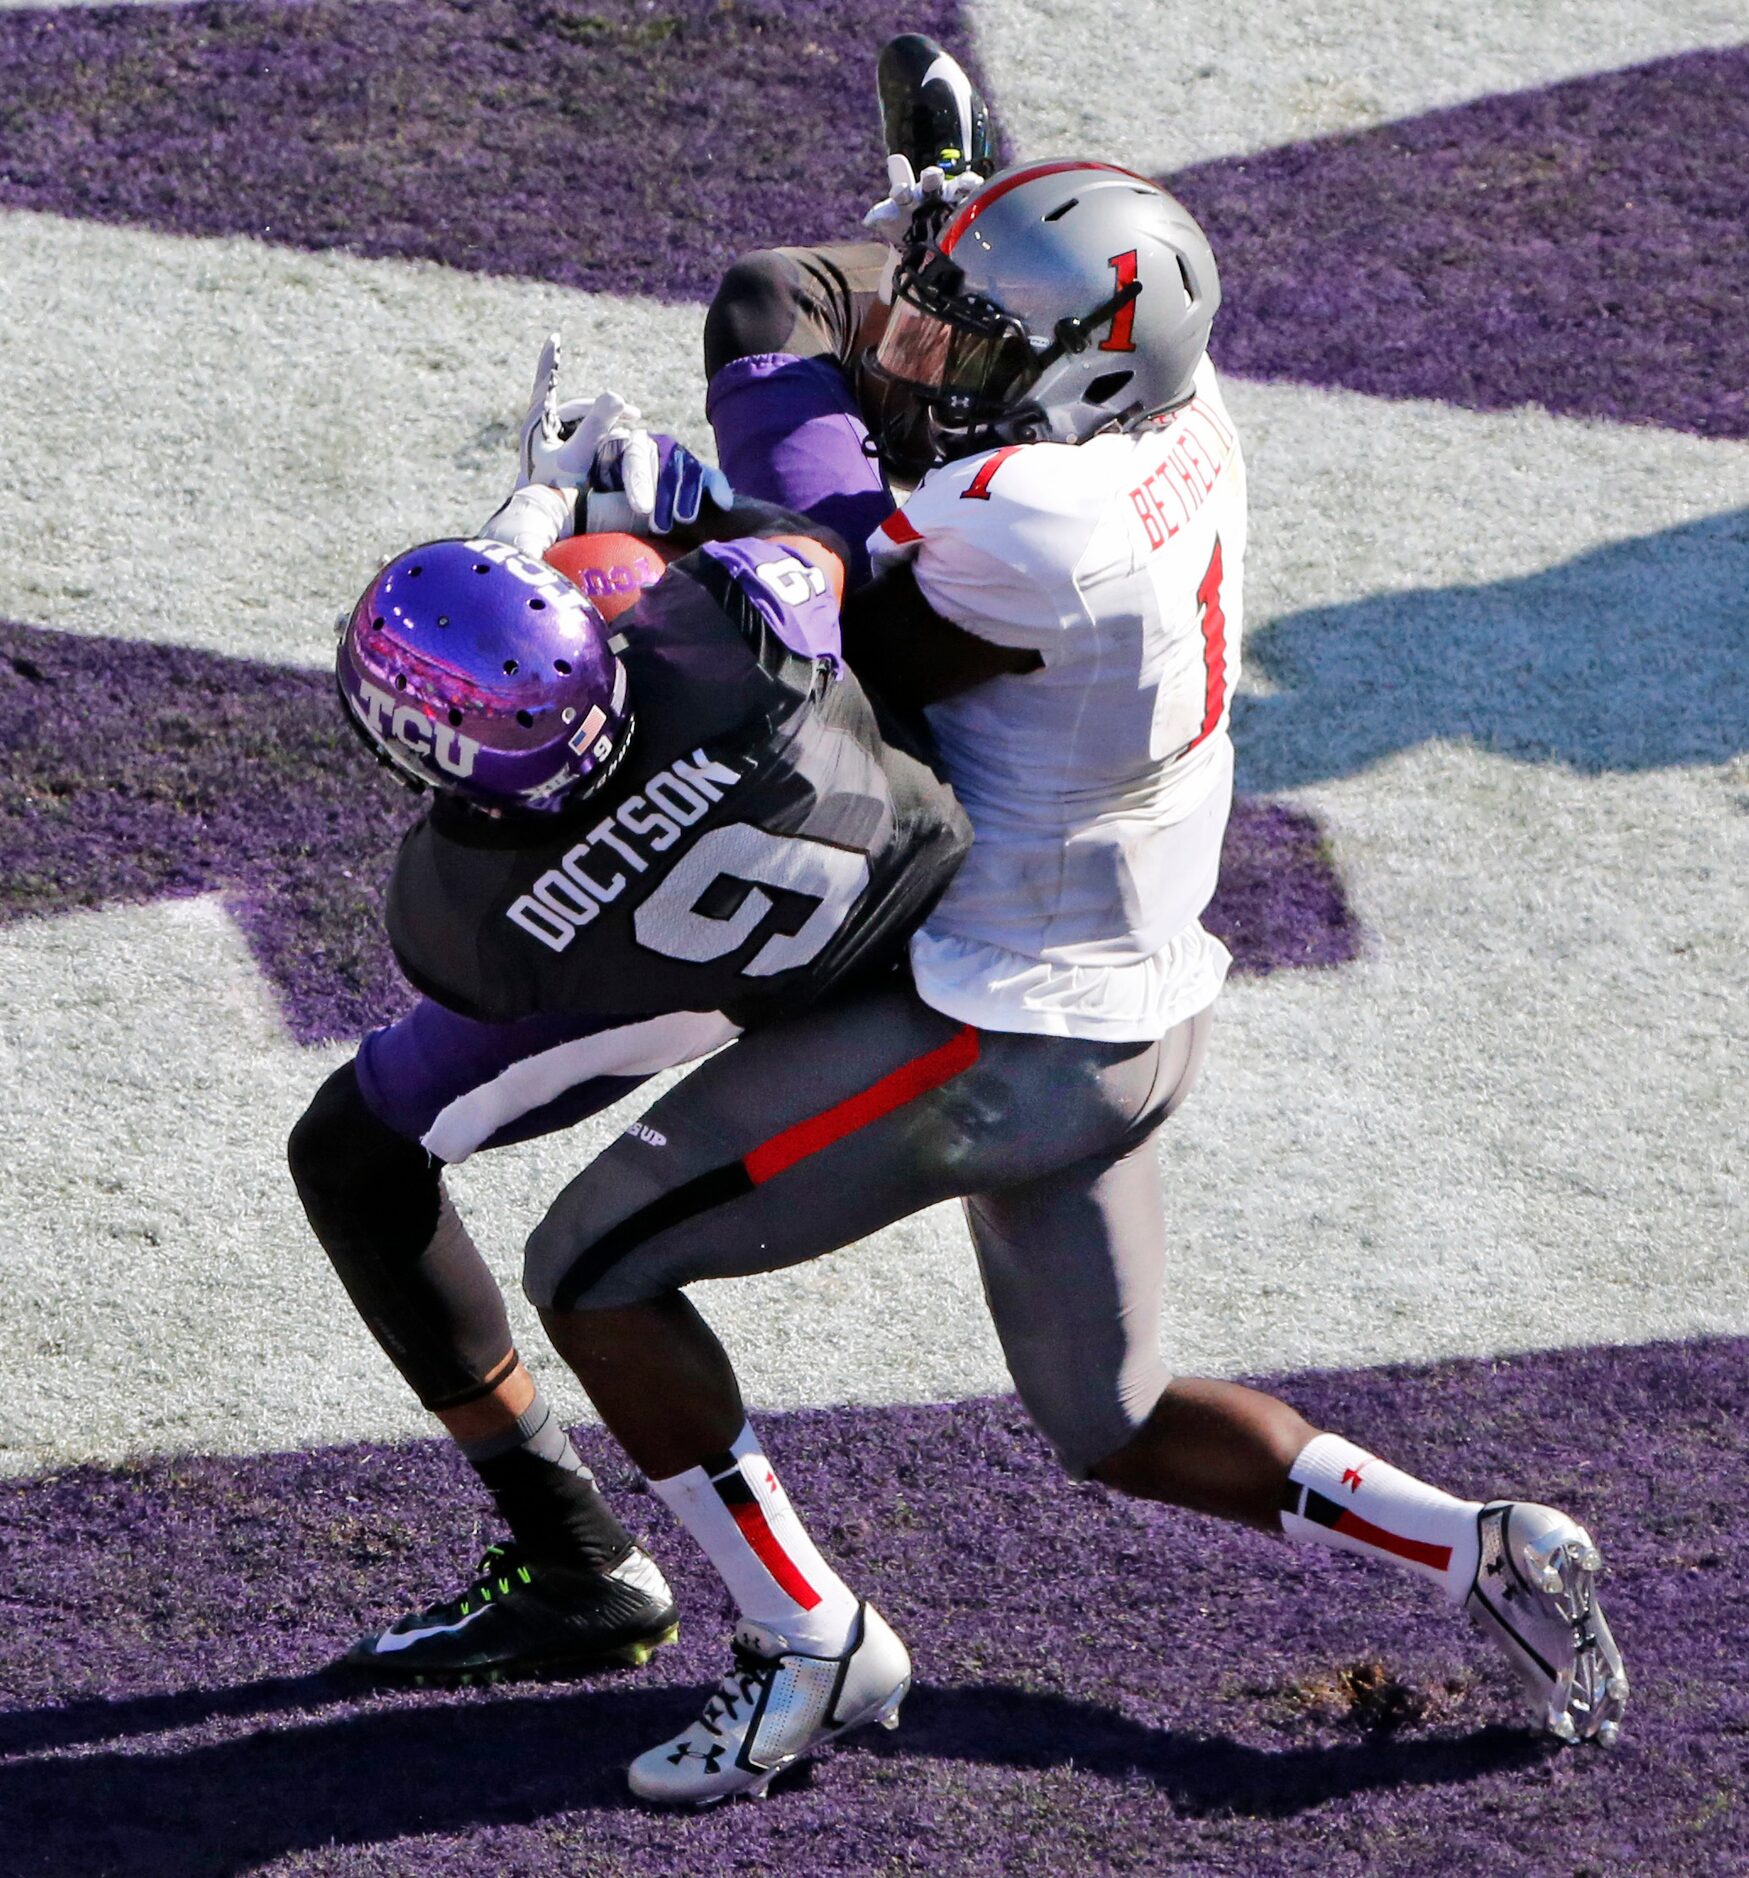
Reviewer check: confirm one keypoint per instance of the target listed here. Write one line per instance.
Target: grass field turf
(1497, 688)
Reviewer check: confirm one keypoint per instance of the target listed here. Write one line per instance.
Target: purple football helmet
(474, 669)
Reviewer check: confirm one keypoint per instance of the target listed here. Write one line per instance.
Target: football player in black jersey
(642, 840)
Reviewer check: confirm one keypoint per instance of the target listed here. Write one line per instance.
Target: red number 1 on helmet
(1123, 325)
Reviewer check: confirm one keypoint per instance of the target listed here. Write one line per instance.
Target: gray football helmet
(1061, 300)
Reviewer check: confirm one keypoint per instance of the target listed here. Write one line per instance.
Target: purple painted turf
(1582, 246)
(617, 145)
(1280, 901)
(133, 771)
(129, 772)
(1114, 1686)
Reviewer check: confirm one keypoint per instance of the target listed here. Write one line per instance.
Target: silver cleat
(774, 1708)
(1533, 1595)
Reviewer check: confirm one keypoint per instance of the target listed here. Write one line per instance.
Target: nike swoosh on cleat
(642, 1573)
(392, 1640)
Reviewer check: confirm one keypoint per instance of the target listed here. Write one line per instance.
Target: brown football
(612, 569)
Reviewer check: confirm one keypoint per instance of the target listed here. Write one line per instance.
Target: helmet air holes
(479, 720)
(537, 606)
(414, 570)
(1062, 209)
(1189, 284)
(1106, 387)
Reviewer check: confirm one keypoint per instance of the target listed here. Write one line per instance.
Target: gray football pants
(808, 1135)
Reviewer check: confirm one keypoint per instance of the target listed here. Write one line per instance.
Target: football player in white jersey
(1063, 595)
(1104, 536)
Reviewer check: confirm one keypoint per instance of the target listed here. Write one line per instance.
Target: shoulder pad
(792, 596)
(994, 540)
(977, 496)
(1015, 475)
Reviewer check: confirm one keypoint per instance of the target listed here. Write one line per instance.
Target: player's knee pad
(547, 1258)
(376, 1202)
(355, 1174)
(755, 310)
(585, 1254)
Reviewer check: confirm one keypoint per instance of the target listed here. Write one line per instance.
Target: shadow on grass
(1625, 659)
(425, 1765)
(96, 1720)
(1199, 1773)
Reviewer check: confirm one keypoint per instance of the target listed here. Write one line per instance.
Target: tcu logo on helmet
(548, 582)
(385, 716)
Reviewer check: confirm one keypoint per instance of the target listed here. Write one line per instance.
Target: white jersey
(1099, 786)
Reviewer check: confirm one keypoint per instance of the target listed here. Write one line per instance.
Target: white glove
(907, 193)
(533, 519)
(558, 442)
(660, 483)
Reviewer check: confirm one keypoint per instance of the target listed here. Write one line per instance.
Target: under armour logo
(1351, 1478)
(712, 1756)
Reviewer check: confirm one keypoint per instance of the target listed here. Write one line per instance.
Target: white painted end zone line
(216, 442)
(1158, 88)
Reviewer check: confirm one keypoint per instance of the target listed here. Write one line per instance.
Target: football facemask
(963, 357)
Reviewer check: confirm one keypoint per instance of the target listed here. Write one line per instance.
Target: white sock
(1343, 1497)
(734, 1507)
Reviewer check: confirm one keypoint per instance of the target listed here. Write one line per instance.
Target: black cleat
(931, 113)
(524, 1618)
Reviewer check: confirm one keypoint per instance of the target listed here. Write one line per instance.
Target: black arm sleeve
(902, 649)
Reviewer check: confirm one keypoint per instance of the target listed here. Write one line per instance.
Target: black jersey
(760, 844)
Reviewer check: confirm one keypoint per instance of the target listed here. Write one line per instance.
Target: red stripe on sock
(893, 1091)
(773, 1557)
(1417, 1550)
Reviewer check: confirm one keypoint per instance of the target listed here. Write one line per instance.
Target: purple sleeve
(788, 431)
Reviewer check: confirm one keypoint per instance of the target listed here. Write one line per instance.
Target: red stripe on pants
(773, 1557)
(1354, 1527)
(893, 1091)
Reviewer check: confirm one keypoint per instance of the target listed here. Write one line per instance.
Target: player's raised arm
(586, 466)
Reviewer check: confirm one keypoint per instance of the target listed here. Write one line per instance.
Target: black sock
(547, 1497)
